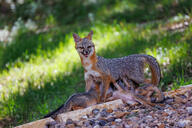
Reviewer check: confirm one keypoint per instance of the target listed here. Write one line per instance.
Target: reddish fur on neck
(93, 61)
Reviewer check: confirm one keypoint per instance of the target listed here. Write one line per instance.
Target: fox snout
(85, 53)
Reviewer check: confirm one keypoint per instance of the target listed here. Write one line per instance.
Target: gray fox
(82, 100)
(130, 69)
(78, 101)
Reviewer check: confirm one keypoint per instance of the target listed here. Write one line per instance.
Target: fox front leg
(104, 87)
(88, 82)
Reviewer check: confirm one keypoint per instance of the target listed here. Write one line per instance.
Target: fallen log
(76, 115)
(36, 124)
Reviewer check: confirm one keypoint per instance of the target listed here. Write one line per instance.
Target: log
(76, 115)
(36, 124)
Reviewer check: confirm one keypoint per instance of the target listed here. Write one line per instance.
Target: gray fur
(130, 66)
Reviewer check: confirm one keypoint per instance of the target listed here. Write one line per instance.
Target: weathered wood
(76, 115)
(36, 124)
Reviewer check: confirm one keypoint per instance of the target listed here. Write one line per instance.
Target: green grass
(39, 71)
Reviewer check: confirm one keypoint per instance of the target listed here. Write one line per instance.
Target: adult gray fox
(130, 69)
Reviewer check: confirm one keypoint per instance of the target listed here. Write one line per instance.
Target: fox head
(84, 46)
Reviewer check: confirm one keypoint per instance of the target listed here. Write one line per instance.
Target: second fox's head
(84, 46)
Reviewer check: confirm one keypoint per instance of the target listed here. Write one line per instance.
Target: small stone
(161, 126)
(118, 120)
(69, 121)
(149, 117)
(113, 126)
(183, 123)
(96, 126)
(102, 122)
(106, 127)
(91, 122)
(86, 123)
(110, 119)
(50, 124)
(104, 113)
(164, 114)
(110, 110)
(84, 117)
(95, 111)
(113, 123)
(69, 126)
(169, 100)
(79, 123)
(189, 110)
(120, 114)
(134, 119)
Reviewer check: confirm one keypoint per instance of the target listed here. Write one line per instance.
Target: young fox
(82, 100)
(78, 101)
(130, 69)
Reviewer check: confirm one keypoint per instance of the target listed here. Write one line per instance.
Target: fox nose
(86, 52)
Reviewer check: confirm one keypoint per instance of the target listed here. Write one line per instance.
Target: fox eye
(80, 47)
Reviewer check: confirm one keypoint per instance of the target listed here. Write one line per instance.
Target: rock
(104, 113)
(183, 123)
(168, 111)
(189, 110)
(113, 123)
(110, 119)
(149, 117)
(106, 127)
(79, 123)
(69, 121)
(169, 100)
(102, 122)
(161, 126)
(92, 122)
(84, 117)
(86, 123)
(96, 126)
(110, 110)
(118, 120)
(120, 114)
(134, 119)
(95, 111)
(68, 126)
(164, 114)
(113, 126)
(125, 125)
(50, 124)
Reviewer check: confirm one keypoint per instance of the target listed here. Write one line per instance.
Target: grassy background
(40, 69)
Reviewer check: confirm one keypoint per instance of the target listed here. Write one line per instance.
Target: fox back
(130, 67)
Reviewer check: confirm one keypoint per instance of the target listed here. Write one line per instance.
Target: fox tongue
(86, 55)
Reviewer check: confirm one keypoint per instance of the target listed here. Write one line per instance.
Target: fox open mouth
(86, 54)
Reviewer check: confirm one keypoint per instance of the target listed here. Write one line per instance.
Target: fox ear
(76, 38)
(90, 35)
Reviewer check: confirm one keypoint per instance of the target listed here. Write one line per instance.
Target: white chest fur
(90, 71)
